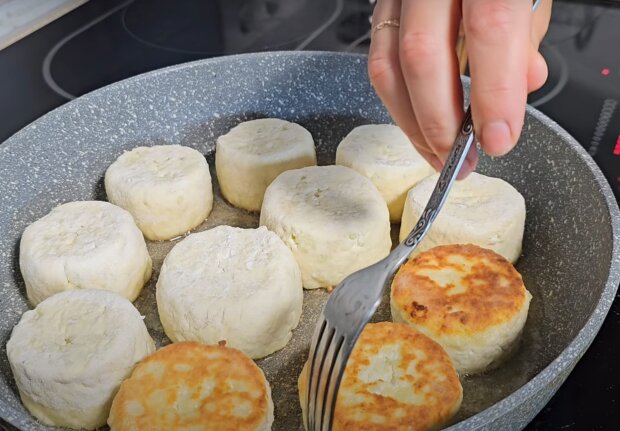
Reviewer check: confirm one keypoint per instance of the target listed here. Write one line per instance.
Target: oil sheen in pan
(283, 367)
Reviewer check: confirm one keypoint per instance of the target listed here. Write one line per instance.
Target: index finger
(497, 34)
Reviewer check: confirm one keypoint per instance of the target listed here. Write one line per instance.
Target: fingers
(537, 71)
(497, 35)
(430, 67)
(415, 70)
(386, 76)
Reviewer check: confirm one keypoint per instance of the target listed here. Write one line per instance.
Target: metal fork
(356, 298)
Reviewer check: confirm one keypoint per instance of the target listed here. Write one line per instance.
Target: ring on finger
(386, 23)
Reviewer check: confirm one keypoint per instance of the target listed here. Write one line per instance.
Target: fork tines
(325, 369)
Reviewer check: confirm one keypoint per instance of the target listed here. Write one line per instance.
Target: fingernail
(472, 156)
(496, 138)
(466, 169)
(469, 164)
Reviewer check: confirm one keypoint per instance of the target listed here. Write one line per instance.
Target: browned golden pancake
(469, 299)
(192, 386)
(458, 288)
(396, 379)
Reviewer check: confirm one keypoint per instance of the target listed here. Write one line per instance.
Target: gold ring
(395, 23)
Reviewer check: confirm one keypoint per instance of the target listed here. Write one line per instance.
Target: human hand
(414, 70)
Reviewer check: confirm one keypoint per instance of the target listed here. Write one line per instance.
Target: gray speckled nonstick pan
(571, 253)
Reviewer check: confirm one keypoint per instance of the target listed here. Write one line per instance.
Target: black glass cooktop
(104, 41)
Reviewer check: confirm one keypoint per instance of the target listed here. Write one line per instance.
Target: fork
(354, 301)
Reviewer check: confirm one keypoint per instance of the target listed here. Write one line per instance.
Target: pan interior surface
(569, 260)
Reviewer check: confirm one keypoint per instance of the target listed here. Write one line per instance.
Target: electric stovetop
(107, 40)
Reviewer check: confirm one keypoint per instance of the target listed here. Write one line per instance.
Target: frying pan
(571, 249)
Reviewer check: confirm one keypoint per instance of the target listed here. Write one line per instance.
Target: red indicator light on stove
(617, 147)
(605, 72)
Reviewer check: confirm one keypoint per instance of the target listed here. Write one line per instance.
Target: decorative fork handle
(453, 164)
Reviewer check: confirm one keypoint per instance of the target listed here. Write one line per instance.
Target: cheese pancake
(481, 210)
(332, 218)
(470, 300)
(191, 386)
(396, 379)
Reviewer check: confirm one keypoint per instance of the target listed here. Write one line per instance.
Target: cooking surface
(104, 41)
(66, 153)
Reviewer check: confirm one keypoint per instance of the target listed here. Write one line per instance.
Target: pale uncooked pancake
(192, 386)
(252, 154)
(84, 245)
(238, 285)
(479, 210)
(384, 154)
(167, 189)
(70, 354)
(470, 300)
(332, 218)
(396, 379)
